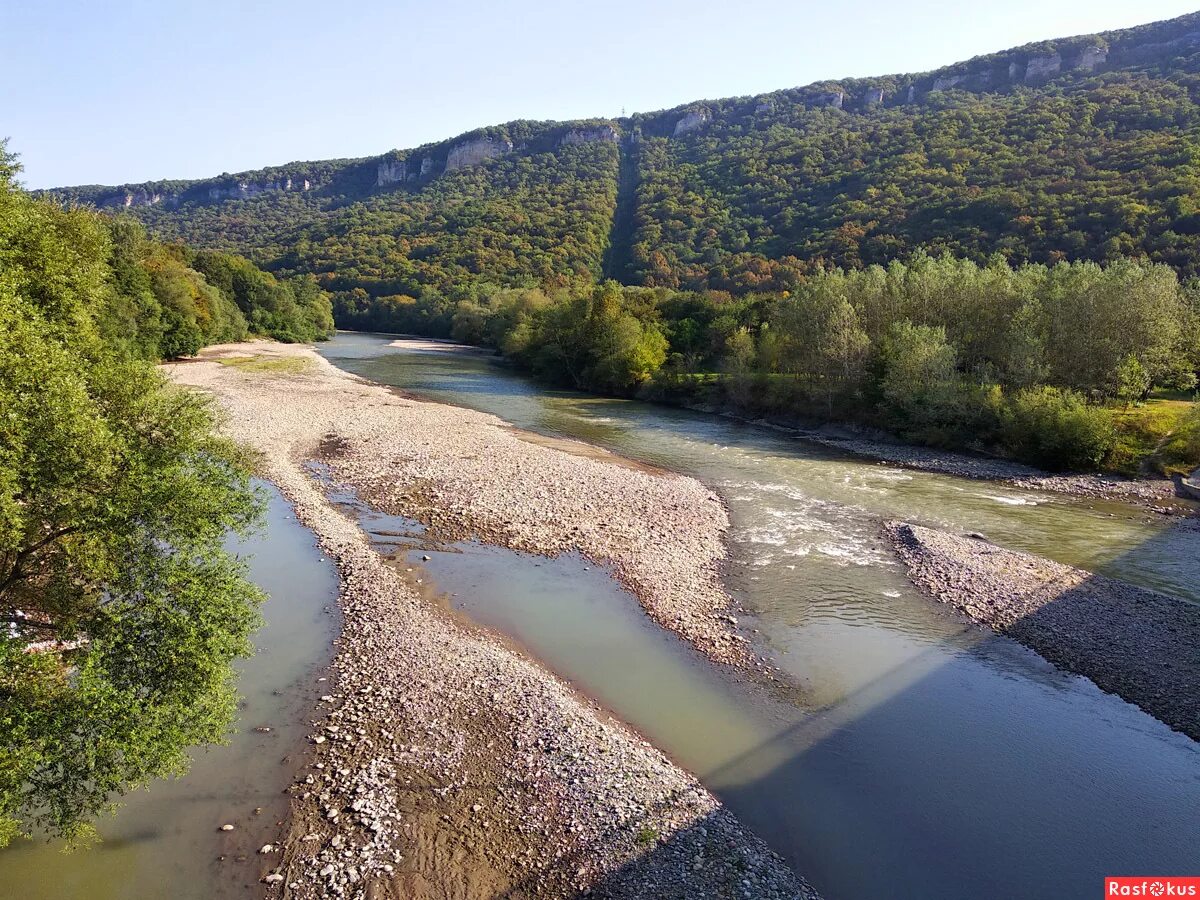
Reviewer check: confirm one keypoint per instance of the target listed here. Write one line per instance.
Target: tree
(918, 366)
(120, 611)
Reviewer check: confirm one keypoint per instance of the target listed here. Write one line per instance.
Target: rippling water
(925, 758)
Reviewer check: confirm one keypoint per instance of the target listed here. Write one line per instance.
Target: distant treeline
(166, 301)
(1035, 362)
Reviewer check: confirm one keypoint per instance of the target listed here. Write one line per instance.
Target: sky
(115, 92)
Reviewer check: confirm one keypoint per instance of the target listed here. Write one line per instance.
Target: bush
(1056, 429)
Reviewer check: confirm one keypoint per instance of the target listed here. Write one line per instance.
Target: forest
(120, 610)
(749, 235)
(939, 350)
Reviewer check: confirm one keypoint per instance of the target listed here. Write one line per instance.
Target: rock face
(946, 82)
(243, 190)
(426, 166)
(599, 134)
(873, 97)
(391, 171)
(1090, 58)
(1039, 68)
(472, 153)
(695, 119)
(830, 99)
(136, 198)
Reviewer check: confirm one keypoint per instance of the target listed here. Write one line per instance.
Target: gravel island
(444, 763)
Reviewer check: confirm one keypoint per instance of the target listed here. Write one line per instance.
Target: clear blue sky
(110, 92)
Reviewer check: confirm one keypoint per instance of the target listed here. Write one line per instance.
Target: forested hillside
(1022, 229)
(1084, 148)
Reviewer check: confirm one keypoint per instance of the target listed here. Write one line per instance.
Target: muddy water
(164, 841)
(922, 758)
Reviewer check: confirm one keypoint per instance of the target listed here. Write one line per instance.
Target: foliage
(120, 611)
(930, 260)
(941, 351)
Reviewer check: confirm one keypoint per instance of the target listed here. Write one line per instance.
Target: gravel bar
(444, 763)
(1142, 645)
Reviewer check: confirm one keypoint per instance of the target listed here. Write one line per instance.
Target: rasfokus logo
(1151, 886)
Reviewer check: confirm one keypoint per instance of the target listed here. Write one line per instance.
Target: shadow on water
(971, 767)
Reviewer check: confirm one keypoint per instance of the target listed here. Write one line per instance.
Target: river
(164, 841)
(921, 756)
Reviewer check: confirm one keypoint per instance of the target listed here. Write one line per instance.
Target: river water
(164, 842)
(921, 756)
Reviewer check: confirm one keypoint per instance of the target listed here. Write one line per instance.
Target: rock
(472, 153)
(273, 878)
(946, 82)
(873, 97)
(391, 171)
(226, 827)
(1090, 58)
(691, 122)
(598, 134)
(1040, 68)
(267, 848)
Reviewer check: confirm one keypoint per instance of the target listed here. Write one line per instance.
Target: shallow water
(924, 757)
(164, 841)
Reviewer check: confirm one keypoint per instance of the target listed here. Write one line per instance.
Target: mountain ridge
(1033, 63)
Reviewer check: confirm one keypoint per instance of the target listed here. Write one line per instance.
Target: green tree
(120, 611)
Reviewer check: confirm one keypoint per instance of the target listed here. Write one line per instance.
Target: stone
(227, 827)
(692, 121)
(873, 97)
(830, 99)
(598, 134)
(1039, 68)
(474, 152)
(1089, 58)
(946, 82)
(390, 171)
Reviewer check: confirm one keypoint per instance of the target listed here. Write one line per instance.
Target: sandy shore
(1139, 644)
(447, 765)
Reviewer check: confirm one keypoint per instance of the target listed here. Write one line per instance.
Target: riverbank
(1139, 644)
(1156, 494)
(448, 765)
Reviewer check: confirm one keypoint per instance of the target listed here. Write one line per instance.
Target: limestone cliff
(472, 153)
(598, 134)
(694, 120)
(390, 171)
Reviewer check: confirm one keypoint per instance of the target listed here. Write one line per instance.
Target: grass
(647, 836)
(284, 365)
(1164, 431)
